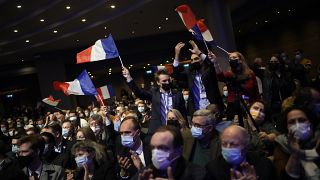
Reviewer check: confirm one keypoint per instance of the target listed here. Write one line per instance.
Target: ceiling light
(110, 69)
(148, 64)
(132, 32)
(16, 30)
(27, 41)
(68, 7)
(265, 21)
(55, 31)
(41, 20)
(91, 76)
(131, 65)
(109, 73)
(278, 12)
(167, 19)
(167, 61)
(159, 27)
(83, 20)
(105, 27)
(113, 6)
(22, 60)
(144, 67)
(77, 40)
(257, 23)
(19, 6)
(160, 64)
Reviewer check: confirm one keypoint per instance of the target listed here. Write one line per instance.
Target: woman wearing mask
(296, 154)
(175, 118)
(91, 161)
(240, 80)
(261, 131)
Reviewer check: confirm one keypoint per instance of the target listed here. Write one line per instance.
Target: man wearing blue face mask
(167, 160)
(235, 162)
(132, 146)
(205, 144)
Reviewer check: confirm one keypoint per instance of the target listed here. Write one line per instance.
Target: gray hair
(243, 131)
(207, 113)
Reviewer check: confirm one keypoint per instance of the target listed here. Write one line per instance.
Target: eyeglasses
(199, 125)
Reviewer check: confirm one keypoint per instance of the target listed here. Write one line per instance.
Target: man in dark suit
(200, 79)
(30, 151)
(132, 148)
(235, 162)
(163, 98)
(204, 145)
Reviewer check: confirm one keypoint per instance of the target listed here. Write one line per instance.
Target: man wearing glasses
(205, 145)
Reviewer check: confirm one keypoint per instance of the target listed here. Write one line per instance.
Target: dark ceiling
(36, 26)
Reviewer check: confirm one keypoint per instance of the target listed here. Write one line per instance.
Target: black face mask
(274, 66)
(174, 123)
(234, 64)
(25, 160)
(196, 66)
(166, 87)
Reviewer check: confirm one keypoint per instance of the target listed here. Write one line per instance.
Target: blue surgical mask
(14, 148)
(65, 132)
(197, 132)
(232, 155)
(127, 141)
(81, 160)
(117, 125)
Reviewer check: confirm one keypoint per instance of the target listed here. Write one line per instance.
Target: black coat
(219, 169)
(154, 96)
(209, 80)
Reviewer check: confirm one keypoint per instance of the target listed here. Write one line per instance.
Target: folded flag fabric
(106, 92)
(82, 85)
(101, 50)
(187, 16)
(51, 101)
(205, 32)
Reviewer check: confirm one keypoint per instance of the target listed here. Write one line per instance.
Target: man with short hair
(205, 144)
(163, 98)
(132, 144)
(167, 160)
(235, 162)
(30, 151)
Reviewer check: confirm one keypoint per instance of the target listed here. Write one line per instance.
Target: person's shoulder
(51, 167)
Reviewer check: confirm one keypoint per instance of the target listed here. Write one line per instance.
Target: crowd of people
(264, 125)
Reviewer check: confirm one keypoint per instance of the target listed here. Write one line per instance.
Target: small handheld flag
(101, 50)
(82, 85)
(51, 101)
(106, 92)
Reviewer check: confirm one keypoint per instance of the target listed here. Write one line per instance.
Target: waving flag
(205, 32)
(80, 86)
(102, 49)
(51, 101)
(106, 92)
(187, 16)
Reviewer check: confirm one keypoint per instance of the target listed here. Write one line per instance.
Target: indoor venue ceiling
(30, 27)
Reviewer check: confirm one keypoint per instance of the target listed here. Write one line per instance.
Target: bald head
(234, 137)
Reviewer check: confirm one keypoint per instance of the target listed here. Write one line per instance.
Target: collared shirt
(167, 98)
(58, 148)
(38, 171)
(203, 102)
(139, 151)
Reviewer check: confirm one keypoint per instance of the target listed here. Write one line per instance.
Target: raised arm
(144, 95)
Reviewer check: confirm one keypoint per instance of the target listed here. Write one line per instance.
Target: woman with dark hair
(262, 132)
(296, 155)
(91, 161)
(85, 133)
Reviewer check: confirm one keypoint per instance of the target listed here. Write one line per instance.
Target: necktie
(196, 92)
(163, 108)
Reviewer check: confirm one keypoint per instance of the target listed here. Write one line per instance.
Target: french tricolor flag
(205, 32)
(101, 50)
(82, 85)
(51, 101)
(187, 16)
(106, 92)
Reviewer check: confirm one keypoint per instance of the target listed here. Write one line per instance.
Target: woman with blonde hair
(92, 162)
(241, 82)
(175, 118)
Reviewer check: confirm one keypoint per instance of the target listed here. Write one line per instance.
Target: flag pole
(57, 108)
(219, 47)
(121, 61)
(100, 99)
(204, 41)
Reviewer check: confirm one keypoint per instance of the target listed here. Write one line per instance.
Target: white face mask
(127, 140)
(141, 109)
(225, 93)
(185, 97)
(160, 159)
(301, 131)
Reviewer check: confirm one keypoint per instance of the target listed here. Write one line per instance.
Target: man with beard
(201, 79)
